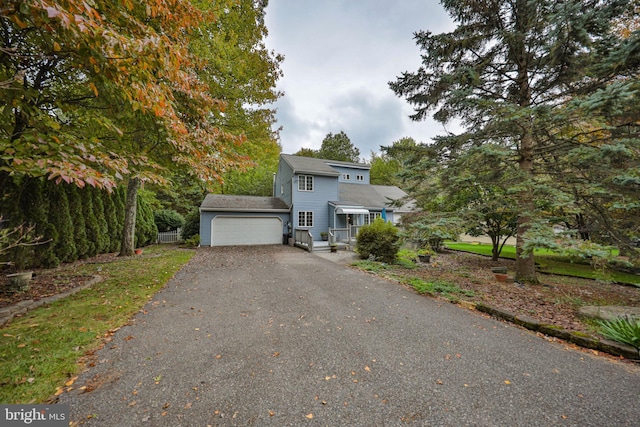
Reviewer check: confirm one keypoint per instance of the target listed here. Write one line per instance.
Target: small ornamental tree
(379, 240)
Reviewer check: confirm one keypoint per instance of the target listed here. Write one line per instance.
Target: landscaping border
(8, 313)
(578, 338)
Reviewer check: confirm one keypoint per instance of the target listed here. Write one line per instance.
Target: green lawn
(39, 352)
(549, 262)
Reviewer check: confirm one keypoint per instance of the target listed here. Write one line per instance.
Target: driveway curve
(274, 336)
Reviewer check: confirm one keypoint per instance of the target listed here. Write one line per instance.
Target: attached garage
(243, 220)
(245, 230)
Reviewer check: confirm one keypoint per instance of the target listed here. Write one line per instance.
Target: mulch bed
(555, 301)
(49, 282)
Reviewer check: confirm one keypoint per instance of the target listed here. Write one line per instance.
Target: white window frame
(346, 177)
(368, 219)
(305, 183)
(305, 219)
(359, 177)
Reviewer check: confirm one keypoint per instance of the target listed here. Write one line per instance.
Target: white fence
(169, 236)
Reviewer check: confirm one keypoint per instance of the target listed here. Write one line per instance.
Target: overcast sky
(339, 57)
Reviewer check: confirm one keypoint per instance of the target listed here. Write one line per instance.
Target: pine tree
(504, 72)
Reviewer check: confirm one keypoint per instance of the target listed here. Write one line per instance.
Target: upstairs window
(346, 177)
(305, 219)
(305, 183)
(359, 177)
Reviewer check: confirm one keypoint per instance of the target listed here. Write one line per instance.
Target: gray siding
(207, 216)
(324, 190)
(353, 172)
(284, 183)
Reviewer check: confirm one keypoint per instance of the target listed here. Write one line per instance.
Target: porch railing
(303, 239)
(339, 235)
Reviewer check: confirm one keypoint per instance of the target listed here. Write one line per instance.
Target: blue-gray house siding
(340, 196)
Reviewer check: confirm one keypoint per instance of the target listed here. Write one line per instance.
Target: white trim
(352, 211)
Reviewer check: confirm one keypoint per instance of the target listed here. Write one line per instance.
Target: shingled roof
(224, 202)
(315, 166)
(372, 196)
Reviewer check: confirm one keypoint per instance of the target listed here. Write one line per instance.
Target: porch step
(324, 246)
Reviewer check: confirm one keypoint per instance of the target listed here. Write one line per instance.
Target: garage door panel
(230, 231)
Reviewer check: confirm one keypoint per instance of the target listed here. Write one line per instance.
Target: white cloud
(339, 58)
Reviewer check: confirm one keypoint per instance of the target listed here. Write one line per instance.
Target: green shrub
(378, 240)
(168, 220)
(193, 241)
(623, 330)
(146, 230)
(191, 225)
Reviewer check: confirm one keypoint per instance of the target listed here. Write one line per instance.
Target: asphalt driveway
(277, 336)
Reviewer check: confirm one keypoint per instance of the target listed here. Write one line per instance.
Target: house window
(359, 177)
(281, 189)
(346, 177)
(305, 183)
(305, 219)
(368, 219)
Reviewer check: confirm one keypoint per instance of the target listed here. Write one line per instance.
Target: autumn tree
(94, 93)
(505, 72)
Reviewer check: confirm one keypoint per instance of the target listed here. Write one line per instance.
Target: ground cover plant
(467, 277)
(39, 352)
(624, 330)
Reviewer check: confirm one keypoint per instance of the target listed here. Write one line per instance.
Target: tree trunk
(495, 247)
(525, 262)
(127, 247)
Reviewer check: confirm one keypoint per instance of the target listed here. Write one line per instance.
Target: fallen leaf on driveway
(309, 416)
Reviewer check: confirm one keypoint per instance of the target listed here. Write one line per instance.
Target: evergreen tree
(146, 230)
(35, 208)
(60, 217)
(91, 223)
(505, 72)
(104, 240)
(79, 223)
(113, 225)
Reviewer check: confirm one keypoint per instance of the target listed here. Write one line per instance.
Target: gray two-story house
(312, 198)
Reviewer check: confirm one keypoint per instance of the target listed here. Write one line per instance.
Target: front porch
(343, 238)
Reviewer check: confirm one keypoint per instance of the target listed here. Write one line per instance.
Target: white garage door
(229, 231)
